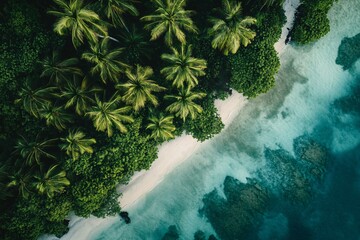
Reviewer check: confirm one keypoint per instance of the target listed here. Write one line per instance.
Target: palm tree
(33, 150)
(107, 115)
(55, 116)
(161, 127)
(170, 18)
(139, 88)
(76, 144)
(79, 95)
(22, 181)
(184, 104)
(114, 9)
(51, 182)
(182, 67)
(77, 19)
(58, 71)
(106, 62)
(231, 30)
(34, 100)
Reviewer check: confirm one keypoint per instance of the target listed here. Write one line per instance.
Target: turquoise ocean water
(297, 148)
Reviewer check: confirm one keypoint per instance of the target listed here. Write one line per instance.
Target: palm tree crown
(79, 95)
(33, 150)
(139, 88)
(107, 63)
(231, 30)
(51, 182)
(114, 9)
(170, 18)
(57, 70)
(34, 100)
(76, 144)
(55, 116)
(162, 127)
(184, 104)
(79, 21)
(182, 67)
(106, 116)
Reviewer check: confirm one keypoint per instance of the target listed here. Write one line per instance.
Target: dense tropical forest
(89, 89)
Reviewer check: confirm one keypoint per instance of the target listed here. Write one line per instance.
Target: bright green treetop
(76, 144)
(182, 67)
(184, 104)
(171, 19)
(77, 19)
(231, 30)
(139, 88)
(106, 62)
(107, 115)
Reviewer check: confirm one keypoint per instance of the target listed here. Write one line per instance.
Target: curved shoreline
(180, 148)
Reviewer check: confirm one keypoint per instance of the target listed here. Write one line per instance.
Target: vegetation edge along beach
(89, 90)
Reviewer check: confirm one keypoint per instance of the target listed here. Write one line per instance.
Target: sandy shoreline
(180, 150)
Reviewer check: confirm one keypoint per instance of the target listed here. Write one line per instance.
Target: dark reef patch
(348, 52)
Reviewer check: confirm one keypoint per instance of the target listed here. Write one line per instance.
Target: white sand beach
(171, 155)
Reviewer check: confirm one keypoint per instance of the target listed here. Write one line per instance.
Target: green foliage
(311, 21)
(28, 220)
(77, 19)
(253, 68)
(182, 67)
(161, 127)
(107, 115)
(139, 88)
(183, 103)
(171, 19)
(60, 94)
(114, 9)
(106, 62)
(76, 144)
(231, 30)
(207, 124)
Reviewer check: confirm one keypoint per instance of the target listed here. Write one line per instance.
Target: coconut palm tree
(77, 19)
(171, 19)
(55, 116)
(52, 181)
(114, 9)
(22, 181)
(76, 144)
(231, 30)
(32, 150)
(106, 62)
(184, 104)
(59, 70)
(161, 127)
(34, 100)
(139, 88)
(79, 95)
(182, 67)
(107, 115)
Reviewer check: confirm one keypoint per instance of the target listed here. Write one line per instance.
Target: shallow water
(314, 97)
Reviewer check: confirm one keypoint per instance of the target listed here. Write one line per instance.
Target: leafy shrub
(311, 21)
(206, 124)
(253, 68)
